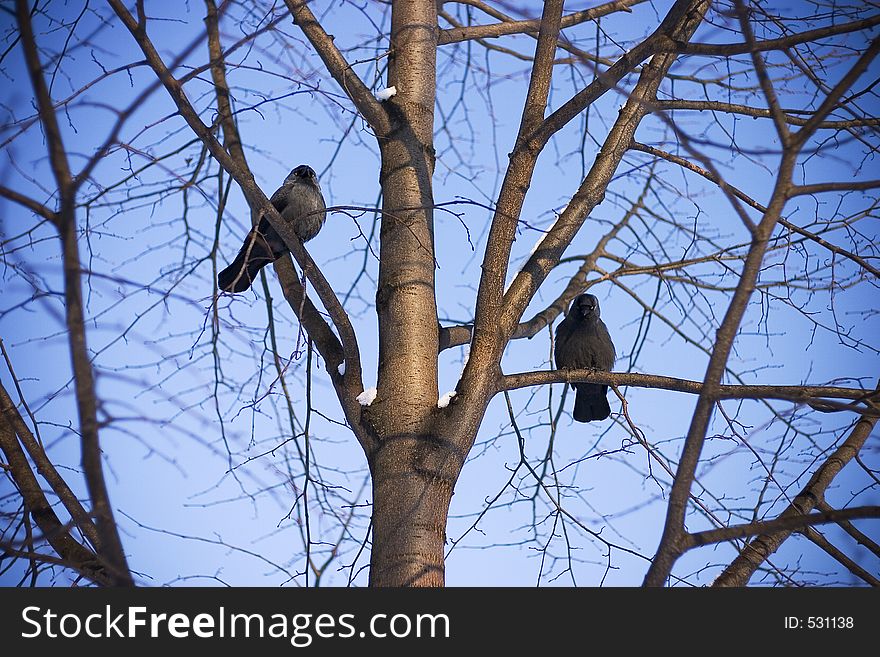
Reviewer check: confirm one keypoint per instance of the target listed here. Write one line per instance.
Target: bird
(301, 204)
(583, 342)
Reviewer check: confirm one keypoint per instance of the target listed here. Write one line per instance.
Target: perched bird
(582, 341)
(301, 204)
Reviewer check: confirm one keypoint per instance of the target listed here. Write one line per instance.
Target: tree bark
(413, 479)
(405, 302)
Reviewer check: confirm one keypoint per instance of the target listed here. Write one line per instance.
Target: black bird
(582, 341)
(301, 204)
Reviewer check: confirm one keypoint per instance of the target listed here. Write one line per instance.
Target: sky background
(204, 475)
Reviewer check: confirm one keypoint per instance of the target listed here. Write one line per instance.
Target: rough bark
(413, 480)
(410, 498)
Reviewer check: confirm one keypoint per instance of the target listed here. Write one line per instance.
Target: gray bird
(301, 204)
(582, 341)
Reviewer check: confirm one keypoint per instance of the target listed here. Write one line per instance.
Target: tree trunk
(405, 303)
(413, 480)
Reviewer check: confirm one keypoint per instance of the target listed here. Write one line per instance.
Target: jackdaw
(582, 341)
(301, 204)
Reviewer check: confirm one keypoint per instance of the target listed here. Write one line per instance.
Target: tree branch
(452, 336)
(821, 188)
(708, 175)
(801, 394)
(787, 524)
(837, 554)
(30, 204)
(45, 107)
(760, 112)
(681, 22)
(110, 546)
(339, 68)
(47, 469)
(762, 546)
(506, 27)
(782, 43)
(487, 339)
(316, 326)
(832, 99)
(256, 198)
(850, 529)
(562, 43)
(74, 554)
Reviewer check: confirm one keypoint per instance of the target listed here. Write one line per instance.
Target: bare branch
(787, 524)
(835, 553)
(339, 68)
(708, 175)
(761, 547)
(730, 49)
(760, 112)
(73, 554)
(796, 393)
(508, 26)
(259, 200)
(110, 547)
(29, 203)
(46, 469)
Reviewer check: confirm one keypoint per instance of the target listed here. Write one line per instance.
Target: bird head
(586, 306)
(304, 173)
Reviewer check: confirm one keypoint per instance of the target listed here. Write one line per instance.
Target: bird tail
(590, 402)
(253, 256)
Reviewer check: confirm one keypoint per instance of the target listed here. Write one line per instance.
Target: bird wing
(279, 198)
(608, 352)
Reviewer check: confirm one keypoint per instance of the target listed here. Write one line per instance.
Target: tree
(719, 155)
